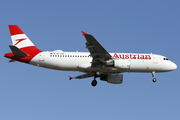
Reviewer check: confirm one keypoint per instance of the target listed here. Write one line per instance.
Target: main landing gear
(94, 82)
(153, 75)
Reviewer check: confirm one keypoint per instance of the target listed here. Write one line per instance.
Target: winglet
(70, 77)
(83, 33)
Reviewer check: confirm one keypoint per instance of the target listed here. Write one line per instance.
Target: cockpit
(165, 59)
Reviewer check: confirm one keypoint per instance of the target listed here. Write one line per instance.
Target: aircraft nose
(170, 66)
(174, 66)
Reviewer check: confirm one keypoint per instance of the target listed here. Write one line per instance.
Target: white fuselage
(81, 61)
(95, 63)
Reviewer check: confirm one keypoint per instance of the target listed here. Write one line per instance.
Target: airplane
(97, 63)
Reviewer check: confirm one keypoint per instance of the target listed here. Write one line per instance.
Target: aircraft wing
(96, 50)
(81, 76)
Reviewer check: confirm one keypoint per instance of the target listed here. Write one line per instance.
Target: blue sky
(141, 26)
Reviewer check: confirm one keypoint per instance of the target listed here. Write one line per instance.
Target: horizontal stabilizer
(12, 60)
(17, 52)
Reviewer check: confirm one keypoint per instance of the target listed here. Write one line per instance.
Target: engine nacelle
(118, 63)
(113, 78)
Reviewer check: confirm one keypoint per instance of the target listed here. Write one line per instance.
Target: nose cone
(174, 66)
(170, 66)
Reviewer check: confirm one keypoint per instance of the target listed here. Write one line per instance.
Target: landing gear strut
(94, 82)
(98, 73)
(153, 75)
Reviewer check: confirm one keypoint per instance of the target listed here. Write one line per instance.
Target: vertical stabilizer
(23, 49)
(19, 39)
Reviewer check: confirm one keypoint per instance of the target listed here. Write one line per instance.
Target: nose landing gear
(153, 75)
(154, 80)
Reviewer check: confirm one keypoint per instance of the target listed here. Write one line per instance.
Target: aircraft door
(41, 57)
(155, 59)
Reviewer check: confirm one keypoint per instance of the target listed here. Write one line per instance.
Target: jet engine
(113, 78)
(118, 63)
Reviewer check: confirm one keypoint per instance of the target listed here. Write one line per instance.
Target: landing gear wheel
(94, 83)
(154, 80)
(153, 75)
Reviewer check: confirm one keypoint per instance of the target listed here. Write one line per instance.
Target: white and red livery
(95, 63)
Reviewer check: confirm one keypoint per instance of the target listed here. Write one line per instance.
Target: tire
(94, 83)
(154, 80)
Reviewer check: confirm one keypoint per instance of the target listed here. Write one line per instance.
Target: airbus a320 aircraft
(95, 63)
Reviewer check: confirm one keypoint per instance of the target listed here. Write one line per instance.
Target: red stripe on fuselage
(31, 51)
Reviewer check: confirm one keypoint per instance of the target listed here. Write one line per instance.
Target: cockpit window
(165, 58)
